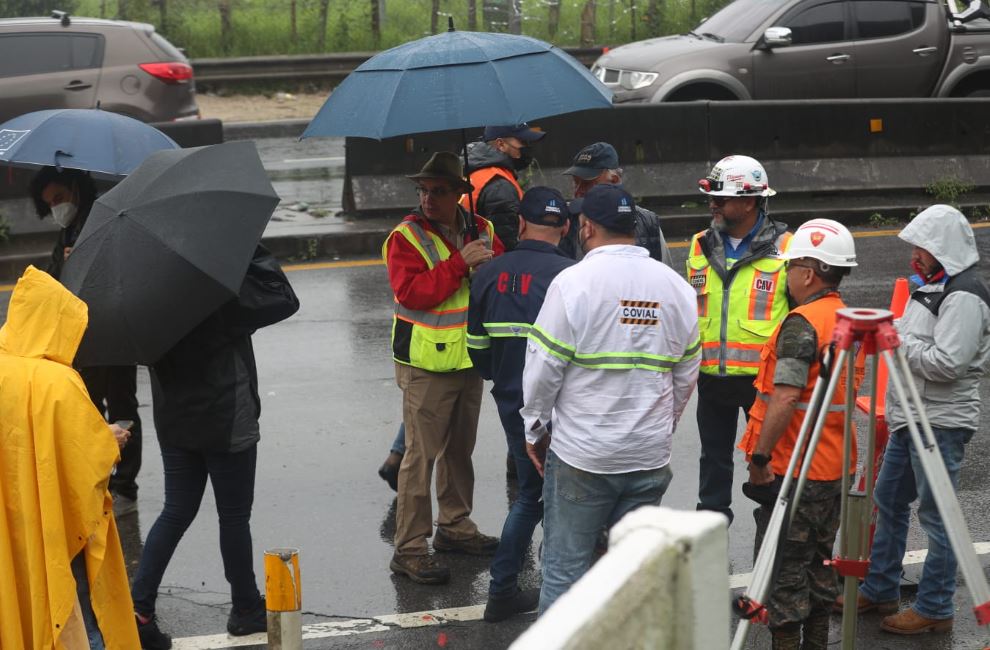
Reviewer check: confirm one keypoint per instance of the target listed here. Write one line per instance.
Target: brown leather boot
(786, 637)
(911, 622)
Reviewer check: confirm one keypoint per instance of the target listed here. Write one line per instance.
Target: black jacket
(205, 388)
(499, 200)
(66, 238)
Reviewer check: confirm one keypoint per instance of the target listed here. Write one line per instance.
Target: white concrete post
(664, 583)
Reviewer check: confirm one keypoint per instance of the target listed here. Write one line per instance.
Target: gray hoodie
(947, 352)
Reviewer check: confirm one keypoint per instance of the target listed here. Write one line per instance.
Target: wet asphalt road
(330, 410)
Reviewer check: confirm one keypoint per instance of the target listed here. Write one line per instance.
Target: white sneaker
(123, 506)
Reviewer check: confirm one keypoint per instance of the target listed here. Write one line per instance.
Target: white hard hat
(824, 240)
(736, 176)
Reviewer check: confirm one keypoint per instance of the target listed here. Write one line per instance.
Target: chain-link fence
(207, 28)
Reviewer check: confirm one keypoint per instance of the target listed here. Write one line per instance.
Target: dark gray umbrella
(166, 247)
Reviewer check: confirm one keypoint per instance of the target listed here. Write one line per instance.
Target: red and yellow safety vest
(432, 339)
(734, 321)
(482, 177)
(826, 465)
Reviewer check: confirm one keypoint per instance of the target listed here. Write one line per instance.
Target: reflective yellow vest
(736, 319)
(433, 339)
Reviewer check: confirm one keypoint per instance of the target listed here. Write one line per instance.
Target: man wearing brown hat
(429, 257)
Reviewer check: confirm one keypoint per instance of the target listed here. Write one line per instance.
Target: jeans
(85, 605)
(900, 482)
(524, 515)
(399, 444)
(577, 505)
(232, 476)
(719, 402)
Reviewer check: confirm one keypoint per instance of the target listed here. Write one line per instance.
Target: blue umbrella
(104, 143)
(457, 80)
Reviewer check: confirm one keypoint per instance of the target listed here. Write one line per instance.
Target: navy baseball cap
(544, 206)
(591, 161)
(522, 131)
(608, 205)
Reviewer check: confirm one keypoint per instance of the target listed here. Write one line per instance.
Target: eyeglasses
(438, 192)
(720, 201)
(790, 264)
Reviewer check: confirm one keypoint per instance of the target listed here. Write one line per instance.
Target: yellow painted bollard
(283, 598)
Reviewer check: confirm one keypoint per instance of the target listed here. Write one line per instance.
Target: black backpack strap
(969, 281)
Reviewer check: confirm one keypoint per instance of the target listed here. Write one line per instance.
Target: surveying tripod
(874, 330)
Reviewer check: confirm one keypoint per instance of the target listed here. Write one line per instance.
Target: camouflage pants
(804, 585)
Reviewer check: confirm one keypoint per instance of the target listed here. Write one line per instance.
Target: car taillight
(170, 72)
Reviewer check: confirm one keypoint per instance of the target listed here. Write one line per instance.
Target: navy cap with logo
(608, 205)
(523, 132)
(591, 161)
(544, 206)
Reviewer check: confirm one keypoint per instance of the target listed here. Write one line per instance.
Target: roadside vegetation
(215, 28)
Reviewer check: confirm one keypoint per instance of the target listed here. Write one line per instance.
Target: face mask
(524, 160)
(64, 214)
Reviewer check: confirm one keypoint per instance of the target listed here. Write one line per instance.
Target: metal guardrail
(333, 67)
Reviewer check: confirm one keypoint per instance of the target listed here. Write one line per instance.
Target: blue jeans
(901, 481)
(232, 476)
(524, 515)
(399, 444)
(85, 604)
(576, 506)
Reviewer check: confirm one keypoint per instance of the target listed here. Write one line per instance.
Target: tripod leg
(941, 486)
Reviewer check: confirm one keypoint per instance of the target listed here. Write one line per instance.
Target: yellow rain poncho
(56, 454)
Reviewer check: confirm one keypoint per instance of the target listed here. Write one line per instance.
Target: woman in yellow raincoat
(56, 454)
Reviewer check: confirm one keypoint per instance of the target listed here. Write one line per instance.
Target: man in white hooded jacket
(945, 334)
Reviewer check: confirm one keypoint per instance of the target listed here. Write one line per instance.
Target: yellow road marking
(349, 264)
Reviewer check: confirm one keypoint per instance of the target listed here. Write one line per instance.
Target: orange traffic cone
(898, 301)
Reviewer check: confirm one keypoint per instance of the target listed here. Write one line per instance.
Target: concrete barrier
(846, 151)
(663, 584)
(193, 133)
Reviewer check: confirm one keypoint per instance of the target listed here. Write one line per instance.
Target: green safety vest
(735, 320)
(432, 339)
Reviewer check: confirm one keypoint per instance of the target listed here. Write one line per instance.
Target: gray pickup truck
(810, 49)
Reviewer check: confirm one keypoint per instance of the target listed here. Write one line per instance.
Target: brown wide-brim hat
(444, 165)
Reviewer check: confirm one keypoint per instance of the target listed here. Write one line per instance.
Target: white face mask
(64, 214)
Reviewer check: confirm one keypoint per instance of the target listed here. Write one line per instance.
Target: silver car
(69, 62)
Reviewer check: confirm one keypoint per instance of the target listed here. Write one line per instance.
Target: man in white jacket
(611, 362)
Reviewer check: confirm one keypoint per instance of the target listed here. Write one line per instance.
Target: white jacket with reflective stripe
(614, 355)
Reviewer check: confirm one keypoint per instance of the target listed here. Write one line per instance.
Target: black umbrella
(166, 247)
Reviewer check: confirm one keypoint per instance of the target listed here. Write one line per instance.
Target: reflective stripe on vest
(432, 339)
(609, 360)
(736, 320)
(482, 177)
(826, 464)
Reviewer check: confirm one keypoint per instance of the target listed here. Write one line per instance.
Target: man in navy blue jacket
(506, 296)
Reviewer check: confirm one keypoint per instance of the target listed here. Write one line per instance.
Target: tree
(473, 15)
(653, 17)
(588, 16)
(376, 23)
(226, 27)
(434, 16)
(321, 39)
(293, 32)
(553, 16)
(515, 17)
(15, 8)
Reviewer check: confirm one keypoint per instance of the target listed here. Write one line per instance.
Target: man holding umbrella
(430, 257)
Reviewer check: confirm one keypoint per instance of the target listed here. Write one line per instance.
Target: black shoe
(151, 637)
(248, 621)
(389, 471)
(477, 544)
(499, 609)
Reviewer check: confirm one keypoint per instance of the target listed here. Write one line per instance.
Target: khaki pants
(440, 410)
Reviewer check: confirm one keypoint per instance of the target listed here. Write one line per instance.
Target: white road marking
(433, 617)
